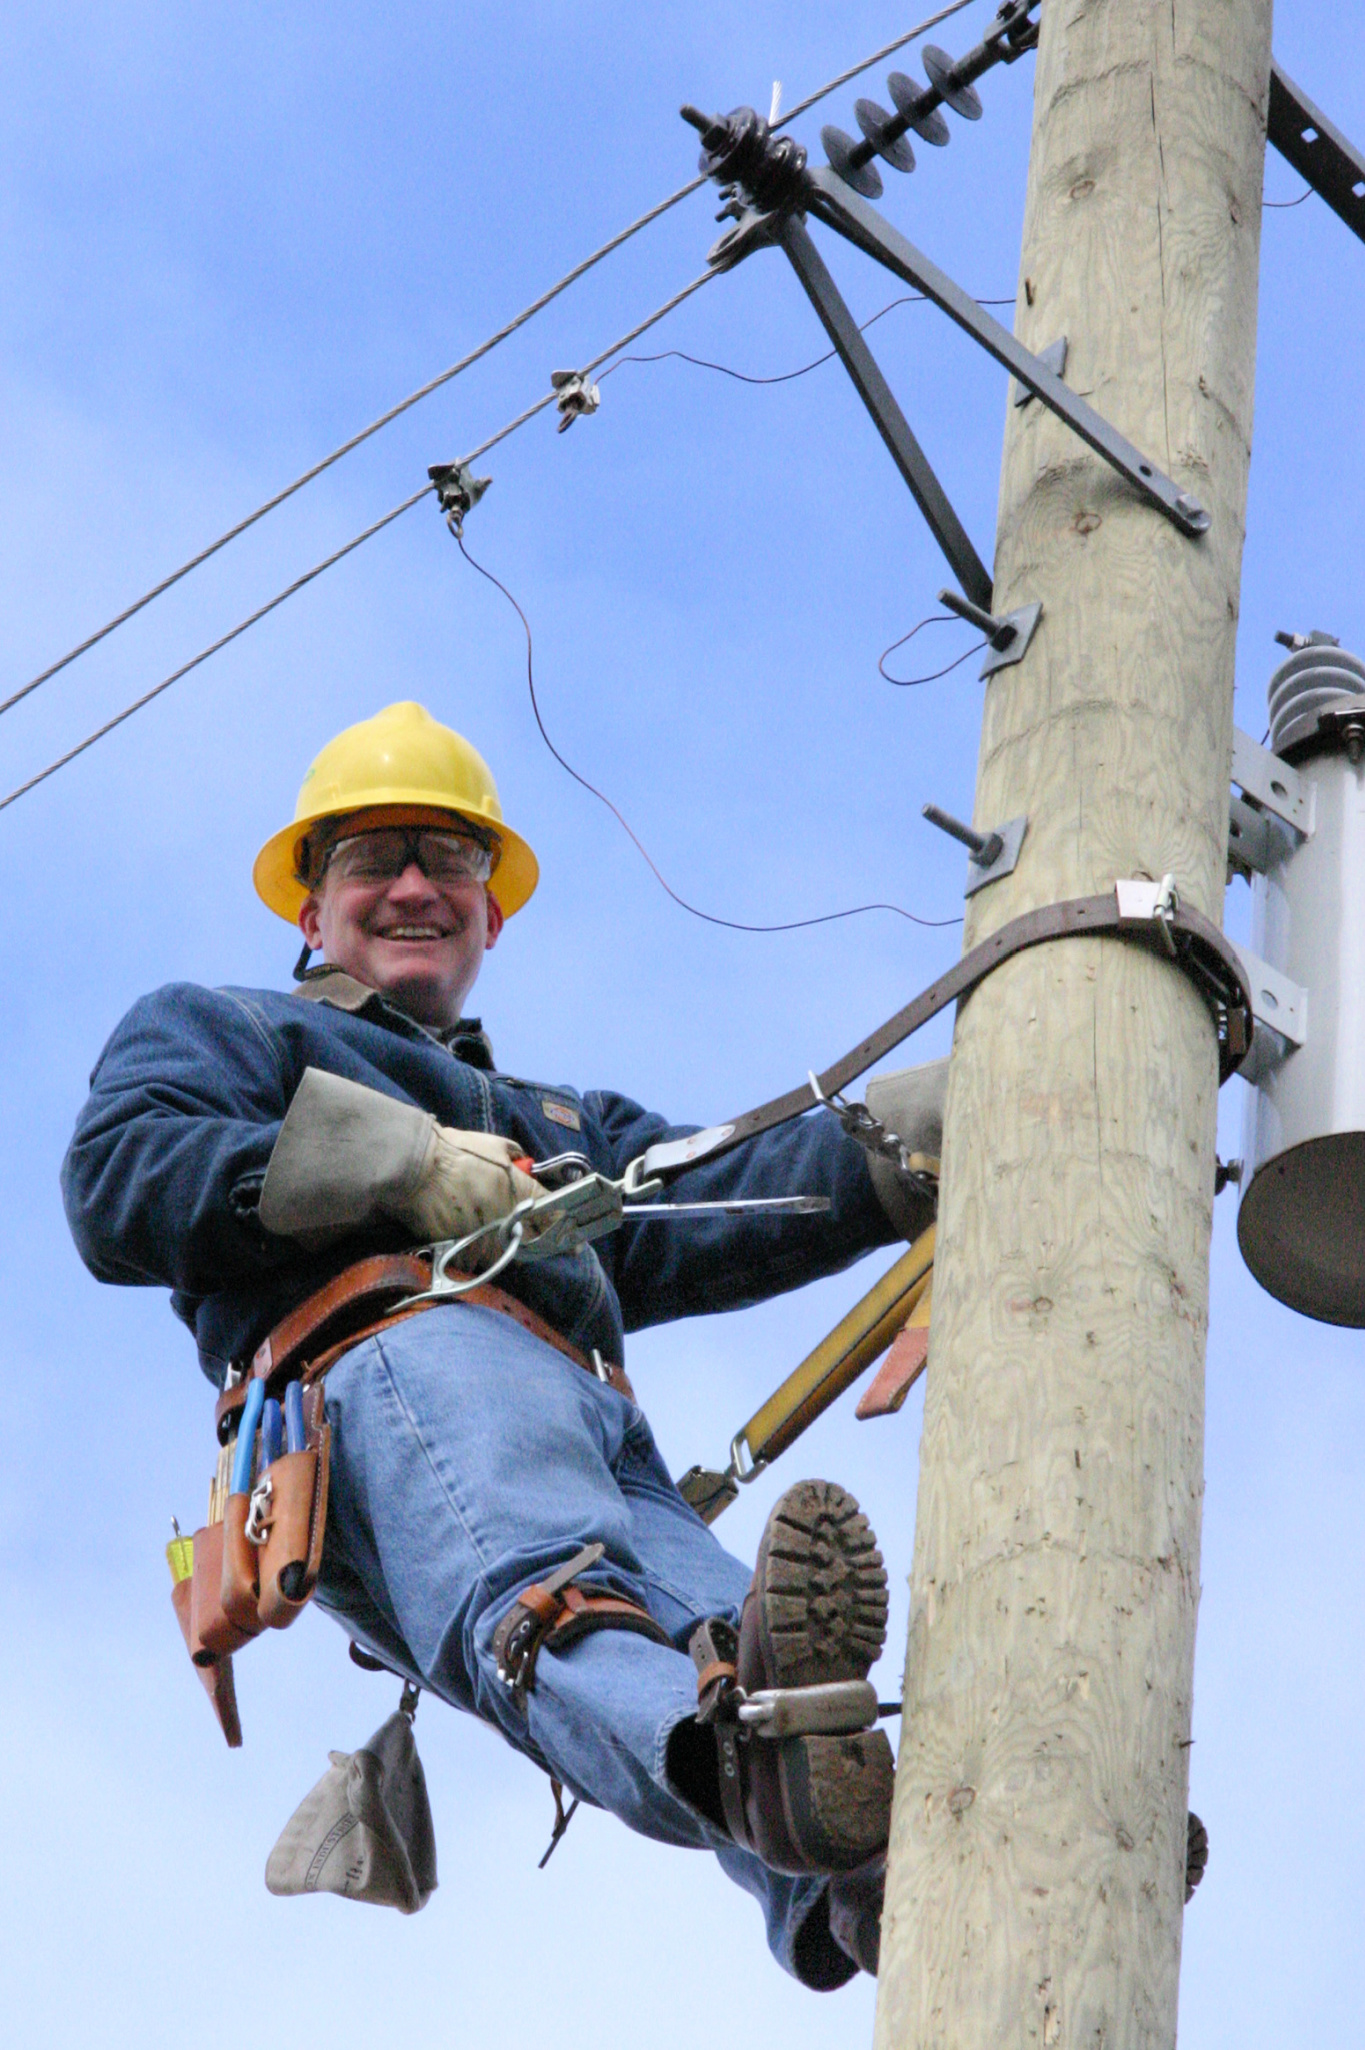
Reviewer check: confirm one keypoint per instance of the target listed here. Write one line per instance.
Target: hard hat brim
(275, 876)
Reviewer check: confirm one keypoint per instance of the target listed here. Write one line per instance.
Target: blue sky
(226, 243)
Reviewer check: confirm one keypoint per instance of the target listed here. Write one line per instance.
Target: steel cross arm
(1333, 166)
(826, 196)
(790, 233)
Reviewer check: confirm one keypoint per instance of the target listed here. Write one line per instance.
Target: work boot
(855, 1913)
(816, 1612)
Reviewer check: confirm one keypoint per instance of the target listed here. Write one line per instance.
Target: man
(246, 1148)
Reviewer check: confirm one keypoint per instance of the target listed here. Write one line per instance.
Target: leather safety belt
(895, 1311)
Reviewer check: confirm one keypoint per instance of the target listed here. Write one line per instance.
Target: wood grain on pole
(1036, 1882)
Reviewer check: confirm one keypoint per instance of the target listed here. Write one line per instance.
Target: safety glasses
(382, 856)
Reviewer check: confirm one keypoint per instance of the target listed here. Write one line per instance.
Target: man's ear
(496, 920)
(310, 920)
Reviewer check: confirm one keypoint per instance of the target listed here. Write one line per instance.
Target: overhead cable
(337, 554)
(213, 647)
(423, 391)
(709, 917)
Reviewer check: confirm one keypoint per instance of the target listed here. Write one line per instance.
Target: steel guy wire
(424, 391)
(337, 554)
(709, 917)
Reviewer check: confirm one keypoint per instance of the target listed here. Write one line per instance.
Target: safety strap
(1149, 913)
(553, 1611)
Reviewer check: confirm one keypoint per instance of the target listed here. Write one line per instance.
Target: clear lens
(382, 857)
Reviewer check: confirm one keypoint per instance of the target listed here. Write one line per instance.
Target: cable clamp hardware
(577, 395)
(458, 491)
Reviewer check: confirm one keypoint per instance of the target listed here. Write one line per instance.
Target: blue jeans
(470, 1459)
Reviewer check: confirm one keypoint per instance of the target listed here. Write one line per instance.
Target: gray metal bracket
(1319, 152)
(1257, 843)
(979, 873)
(1024, 621)
(1275, 1000)
(839, 208)
(990, 855)
(1053, 358)
(1272, 784)
(789, 231)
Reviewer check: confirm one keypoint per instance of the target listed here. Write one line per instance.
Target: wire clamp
(577, 395)
(458, 491)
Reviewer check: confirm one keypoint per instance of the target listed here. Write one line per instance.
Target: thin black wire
(786, 376)
(423, 391)
(911, 682)
(1307, 193)
(731, 924)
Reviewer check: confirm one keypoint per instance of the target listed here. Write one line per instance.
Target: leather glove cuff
(345, 1156)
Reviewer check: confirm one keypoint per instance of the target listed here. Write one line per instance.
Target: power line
(213, 647)
(423, 391)
(709, 917)
(336, 556)
(887, 50)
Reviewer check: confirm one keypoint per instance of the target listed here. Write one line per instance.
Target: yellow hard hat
(401, 761)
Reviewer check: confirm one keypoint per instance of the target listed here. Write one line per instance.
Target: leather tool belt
(254, 1563)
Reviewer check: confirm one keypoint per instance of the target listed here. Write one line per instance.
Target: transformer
(1301, 1220)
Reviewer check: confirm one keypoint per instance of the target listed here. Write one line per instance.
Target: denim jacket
(162, 1178)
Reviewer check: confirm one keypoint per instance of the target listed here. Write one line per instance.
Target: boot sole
(820, 1611)
(822, 1588)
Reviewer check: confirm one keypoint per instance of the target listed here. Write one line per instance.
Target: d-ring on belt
(367, 1298)
(1146, 912)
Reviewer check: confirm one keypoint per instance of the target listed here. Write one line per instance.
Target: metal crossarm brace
(1334, 167)
(909, 458)
(832, 202)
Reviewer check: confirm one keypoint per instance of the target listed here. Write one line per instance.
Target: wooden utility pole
(1038, 1847)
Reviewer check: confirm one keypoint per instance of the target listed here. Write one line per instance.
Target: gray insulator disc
(839, 148)
(963, 99)
(892, 149)
(928, 124)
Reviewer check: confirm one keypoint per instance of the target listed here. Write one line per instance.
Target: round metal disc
(963, 99)
(839, 148)
(930, 125)
(892, 149)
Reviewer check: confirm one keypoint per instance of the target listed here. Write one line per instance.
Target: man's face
(418, 940)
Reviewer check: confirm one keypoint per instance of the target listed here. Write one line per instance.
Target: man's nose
(413, 884)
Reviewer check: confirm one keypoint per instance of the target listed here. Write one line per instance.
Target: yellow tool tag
(180, 1558)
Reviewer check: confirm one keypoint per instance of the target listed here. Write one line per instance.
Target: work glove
(348, 1156)
(910, 1104)
(466, 1179)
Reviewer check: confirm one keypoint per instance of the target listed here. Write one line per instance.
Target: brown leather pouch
(212, 1634)
(217, 1677)
(241, 1567)
(293, 1548)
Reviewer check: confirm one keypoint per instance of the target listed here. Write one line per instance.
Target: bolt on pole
(1035, 1885)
